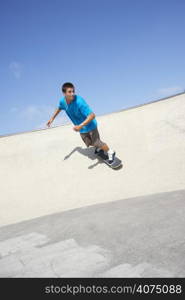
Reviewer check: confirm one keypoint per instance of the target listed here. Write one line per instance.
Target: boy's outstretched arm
(53, 117)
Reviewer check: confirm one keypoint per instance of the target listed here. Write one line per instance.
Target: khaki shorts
(92, 138)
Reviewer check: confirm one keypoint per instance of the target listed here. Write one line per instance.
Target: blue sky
(118, 53)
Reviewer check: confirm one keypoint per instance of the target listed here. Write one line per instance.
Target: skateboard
(115, 164)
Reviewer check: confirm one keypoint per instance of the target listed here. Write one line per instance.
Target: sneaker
(97, 150)
(111, 157)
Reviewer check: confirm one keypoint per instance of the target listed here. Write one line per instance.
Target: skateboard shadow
(88, 152)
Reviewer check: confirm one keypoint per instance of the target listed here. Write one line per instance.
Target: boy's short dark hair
(67, 85)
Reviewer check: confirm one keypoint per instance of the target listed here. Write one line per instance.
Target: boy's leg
(105, 148)
(92, 138)
(86, 138)
(96, 141)
(111, 154)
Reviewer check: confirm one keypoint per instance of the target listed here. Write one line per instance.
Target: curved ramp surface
(59, 203)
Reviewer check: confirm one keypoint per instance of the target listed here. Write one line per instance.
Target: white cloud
(169, 90)
(62, 120)
(16, 69)
(35, 112)
(41, 113)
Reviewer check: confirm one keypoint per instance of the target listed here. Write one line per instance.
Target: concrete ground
(63, 213)
(138, 237)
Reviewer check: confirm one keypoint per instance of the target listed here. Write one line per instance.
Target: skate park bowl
(65, 213)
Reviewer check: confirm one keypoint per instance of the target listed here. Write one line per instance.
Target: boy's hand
(49, 123)
(77, 128)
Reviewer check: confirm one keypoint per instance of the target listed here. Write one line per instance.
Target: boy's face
(69, 94)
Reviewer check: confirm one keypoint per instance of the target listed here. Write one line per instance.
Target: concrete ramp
(50, 173)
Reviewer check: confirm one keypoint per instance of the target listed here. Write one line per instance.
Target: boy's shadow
(88, 152)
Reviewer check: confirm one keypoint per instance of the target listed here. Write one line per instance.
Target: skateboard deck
(115, 164)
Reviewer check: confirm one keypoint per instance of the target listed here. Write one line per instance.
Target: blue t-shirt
(78, 110)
